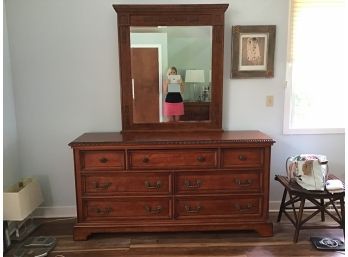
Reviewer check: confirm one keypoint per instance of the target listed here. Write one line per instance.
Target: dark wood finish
(171, 15)
(196, 111)
(236, 32)
(172, 182)
(321, 201)
(146, 89)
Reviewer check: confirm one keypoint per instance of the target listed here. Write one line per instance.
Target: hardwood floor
(205, 244)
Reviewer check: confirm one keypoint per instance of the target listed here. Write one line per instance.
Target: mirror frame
(171, 15)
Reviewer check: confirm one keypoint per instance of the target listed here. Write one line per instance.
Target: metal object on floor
(36, 247)
(326, 243)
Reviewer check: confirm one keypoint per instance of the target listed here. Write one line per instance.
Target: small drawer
(242, 157)
(102, 160)
(127, 208)
(217, 207)
(173, 159)
(127, 184)
(217, 182)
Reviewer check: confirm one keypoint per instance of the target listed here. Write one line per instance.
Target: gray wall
(11, 168)
(65, 69)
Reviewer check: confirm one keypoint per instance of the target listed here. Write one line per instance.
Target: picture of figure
(253, 51)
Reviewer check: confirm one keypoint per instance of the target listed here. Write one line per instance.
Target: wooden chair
(321, 201)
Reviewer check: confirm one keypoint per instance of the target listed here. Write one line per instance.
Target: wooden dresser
(195, 111)
(172, 182)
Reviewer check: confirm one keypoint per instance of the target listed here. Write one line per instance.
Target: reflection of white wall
(190, 49)
(153, 38)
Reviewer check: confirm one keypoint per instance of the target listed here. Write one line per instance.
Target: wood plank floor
(182, 244)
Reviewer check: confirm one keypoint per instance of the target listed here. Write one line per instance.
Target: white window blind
(315, 90)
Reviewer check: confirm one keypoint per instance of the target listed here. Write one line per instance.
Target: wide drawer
(242, 157)
(173, 159)
(127, 208)
(217, 207)
(217, 182)
(122, 183)
(102, 160)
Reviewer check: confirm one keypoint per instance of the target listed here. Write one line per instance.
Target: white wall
(11, 168)
(65, 69)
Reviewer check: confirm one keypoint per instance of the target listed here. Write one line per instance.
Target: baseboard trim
(70, 211)
(55, 212)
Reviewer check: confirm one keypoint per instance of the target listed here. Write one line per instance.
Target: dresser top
(116, 138)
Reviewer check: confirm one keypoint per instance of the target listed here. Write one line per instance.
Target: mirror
(154, 50)
(153, 39)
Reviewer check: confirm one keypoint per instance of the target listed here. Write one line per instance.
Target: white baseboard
(70, 211)
(55, 212)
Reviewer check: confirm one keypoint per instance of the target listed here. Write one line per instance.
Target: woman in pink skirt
(173, 104)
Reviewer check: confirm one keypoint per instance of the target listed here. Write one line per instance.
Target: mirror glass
(158, 97)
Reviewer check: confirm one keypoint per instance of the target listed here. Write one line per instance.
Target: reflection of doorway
(146, 82)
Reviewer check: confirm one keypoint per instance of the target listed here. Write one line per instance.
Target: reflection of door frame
(159, 50)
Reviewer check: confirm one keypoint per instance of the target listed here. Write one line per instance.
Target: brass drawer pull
(242, 158)
(103, 160)
(196, 184)
(200, 158)
(246, 208)
(189, 209)
(105, 211)
(151, 210)
(153, 186)
(244, 183)
(146, 159)
(102, 186)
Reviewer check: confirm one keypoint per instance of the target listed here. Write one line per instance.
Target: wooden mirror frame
(171, 15)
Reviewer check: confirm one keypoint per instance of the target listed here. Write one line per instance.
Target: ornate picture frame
(253, 51)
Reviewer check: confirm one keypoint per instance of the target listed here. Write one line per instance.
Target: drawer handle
(241, 208)
(103, 160)
(244, 183)
(102, 186)
(200, 158)
(189, 209)
(153, 186)
(242, 158)
(105, 211)
(146, 160)
(151, 210)
(196, 184)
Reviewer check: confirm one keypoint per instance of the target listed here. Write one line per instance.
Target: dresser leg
(80, 234)
(265, 229)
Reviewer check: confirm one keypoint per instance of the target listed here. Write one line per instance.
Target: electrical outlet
(269, 100)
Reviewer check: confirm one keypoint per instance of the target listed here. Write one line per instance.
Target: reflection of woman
(173, 104)
(253, 51)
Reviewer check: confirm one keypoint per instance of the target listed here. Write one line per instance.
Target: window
(314, 96)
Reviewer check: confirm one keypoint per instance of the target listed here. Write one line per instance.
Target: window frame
(287, 129)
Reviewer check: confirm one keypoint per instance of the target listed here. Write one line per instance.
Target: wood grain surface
(205, 244)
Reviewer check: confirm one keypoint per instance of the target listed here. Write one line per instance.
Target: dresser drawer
(102, 160)
(217, 207)
(217, 182)
(127, 184)
(127, 208)
(242, 157)
(173, 159)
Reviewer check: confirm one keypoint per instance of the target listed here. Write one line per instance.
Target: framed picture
(253, 51)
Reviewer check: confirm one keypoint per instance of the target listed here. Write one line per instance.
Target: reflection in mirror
(154, 51)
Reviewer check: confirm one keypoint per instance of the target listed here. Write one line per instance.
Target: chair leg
(282, 206)
(322, 210)
(299, 220)
(342, 214)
